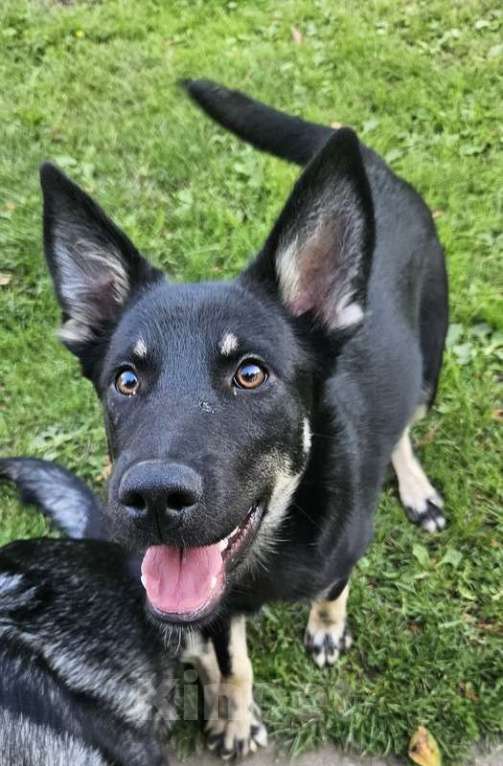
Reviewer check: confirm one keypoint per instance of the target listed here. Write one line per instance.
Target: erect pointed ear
(319, 252)
(94, 266)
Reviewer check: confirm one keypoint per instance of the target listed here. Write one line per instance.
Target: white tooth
(144, 581)
(222, 545)
(213, 582)
(234, 532)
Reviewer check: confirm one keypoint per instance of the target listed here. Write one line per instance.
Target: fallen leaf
(490, 627)
(428, 437)
(107, 470)
(497, 415)
(297, 36)
(468, 691)
(437, 214)
(5, 279)
(336, 125)
(423, 748)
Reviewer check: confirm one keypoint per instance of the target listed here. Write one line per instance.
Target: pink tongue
(182, 580)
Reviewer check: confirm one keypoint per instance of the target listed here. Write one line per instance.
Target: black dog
(251, 422)
(84, 678)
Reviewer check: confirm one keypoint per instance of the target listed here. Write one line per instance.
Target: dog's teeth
(144, 581)
(234, 533)
(222, 545)
(213, 582)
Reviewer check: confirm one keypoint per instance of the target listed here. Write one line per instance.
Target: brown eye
(127, 383)
(250, 375)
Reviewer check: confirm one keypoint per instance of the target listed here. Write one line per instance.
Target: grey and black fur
(84, 677)
(339, 322)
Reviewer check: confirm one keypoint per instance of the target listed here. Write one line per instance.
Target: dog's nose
(160, 487)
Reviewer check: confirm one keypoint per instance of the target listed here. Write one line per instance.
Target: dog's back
(84, 678)
(24, 743)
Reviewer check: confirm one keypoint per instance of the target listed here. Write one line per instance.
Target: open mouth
(185, 584)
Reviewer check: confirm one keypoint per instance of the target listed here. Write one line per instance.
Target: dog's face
(206, 403)
(207, 389)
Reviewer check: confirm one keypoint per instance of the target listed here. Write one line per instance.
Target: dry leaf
(107, 470)
(428, 437)
(336, 125)
(497, 414)
(490, 627)
(468, 691)
(297, 36)
(5, 279)
(423, 748)
(437, 214)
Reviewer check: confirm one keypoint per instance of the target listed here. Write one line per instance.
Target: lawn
(91, 85)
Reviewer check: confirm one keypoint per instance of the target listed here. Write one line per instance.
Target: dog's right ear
(95, 267)
(318, 255)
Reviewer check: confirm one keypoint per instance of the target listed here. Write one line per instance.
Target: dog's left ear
(319, 252)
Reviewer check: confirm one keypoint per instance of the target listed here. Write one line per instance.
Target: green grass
(91, 86)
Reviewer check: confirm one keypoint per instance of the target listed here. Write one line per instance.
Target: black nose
(160, 487)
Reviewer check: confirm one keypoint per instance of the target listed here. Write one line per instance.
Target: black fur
(344, 312)
(84, 677)
(290, 138)
(63, 498)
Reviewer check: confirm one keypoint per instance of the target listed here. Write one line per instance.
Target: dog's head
(207, 389)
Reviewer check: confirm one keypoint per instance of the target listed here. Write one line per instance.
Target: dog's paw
(427, 511)
(422, 503)
(325, 643)
(236, 737)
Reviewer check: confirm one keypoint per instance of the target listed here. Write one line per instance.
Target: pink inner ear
(301, 305)
(317, 275)
(317, 271)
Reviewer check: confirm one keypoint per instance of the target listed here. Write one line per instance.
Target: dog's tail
(287, 137)
(58, 493)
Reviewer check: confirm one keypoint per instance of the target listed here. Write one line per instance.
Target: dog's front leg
(327, 635)
(233, 719)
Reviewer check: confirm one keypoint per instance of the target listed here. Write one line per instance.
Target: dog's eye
(127, 383)
(250, 374)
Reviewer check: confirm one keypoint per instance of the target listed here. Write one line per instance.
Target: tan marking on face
(140, 348)
(229, 344)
